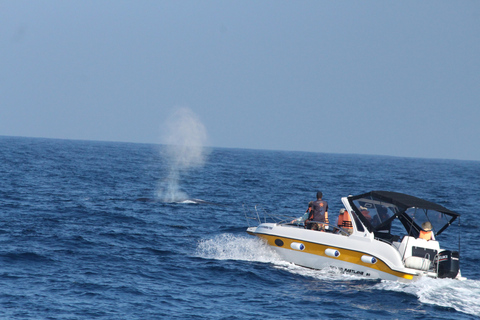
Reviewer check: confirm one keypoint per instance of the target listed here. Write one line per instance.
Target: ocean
(106, 230)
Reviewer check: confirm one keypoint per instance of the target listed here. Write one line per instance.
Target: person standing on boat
(318, 213)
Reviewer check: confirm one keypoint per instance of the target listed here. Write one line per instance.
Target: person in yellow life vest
(427, 232)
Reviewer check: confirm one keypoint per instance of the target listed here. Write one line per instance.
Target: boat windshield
(378, 209)
(378, 214)
(421, 215)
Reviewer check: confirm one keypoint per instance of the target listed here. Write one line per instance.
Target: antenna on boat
(459, 228)
(258, 217)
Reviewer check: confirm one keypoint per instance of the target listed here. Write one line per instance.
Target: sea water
(84, 236)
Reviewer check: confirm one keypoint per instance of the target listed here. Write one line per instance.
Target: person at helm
(427, 232)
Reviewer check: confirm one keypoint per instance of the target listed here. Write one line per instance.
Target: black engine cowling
(448, 264)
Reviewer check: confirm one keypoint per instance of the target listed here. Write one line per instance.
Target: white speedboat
(380, 239)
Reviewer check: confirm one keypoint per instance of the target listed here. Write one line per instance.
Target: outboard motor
(448, 264)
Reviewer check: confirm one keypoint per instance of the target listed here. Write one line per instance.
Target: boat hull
(353, 255)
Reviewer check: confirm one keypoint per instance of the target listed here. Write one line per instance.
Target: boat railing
(322, 227)
(260, 215)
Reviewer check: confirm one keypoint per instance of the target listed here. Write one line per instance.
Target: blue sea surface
(86, 234)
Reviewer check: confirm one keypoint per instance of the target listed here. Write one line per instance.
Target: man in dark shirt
(318, 213)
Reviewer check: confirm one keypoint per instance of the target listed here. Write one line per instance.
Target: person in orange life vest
(344, 221)
(366, 213)
(318, 213)
(427, 232)
(374, 221)
(340, 218)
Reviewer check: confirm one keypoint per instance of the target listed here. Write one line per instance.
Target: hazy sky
(398, 78)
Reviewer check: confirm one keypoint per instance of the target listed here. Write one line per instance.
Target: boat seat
(418, 253)
(424, 253)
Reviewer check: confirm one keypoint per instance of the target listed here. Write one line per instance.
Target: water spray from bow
(184, 138)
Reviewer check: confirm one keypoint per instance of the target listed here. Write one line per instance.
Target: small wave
(176, 226)
(6, 276)
(145, 200)
(463, 296)
(26, 256)
(159, 252)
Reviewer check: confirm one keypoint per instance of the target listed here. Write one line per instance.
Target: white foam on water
(463, 296)
(330, 273)
(233, 247)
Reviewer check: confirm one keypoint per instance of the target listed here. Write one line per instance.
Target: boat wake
(463, 296)
(231, 247)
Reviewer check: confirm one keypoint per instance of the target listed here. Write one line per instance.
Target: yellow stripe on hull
(346, 255)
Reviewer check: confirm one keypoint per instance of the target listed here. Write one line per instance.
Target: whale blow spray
(184, 137)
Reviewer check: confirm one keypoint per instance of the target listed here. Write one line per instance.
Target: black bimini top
(377, 210)
(408, 201)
